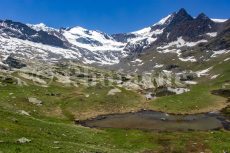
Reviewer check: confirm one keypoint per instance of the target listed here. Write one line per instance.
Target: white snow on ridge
(32, 50)
(147, 31)
(158, 66)
(147, 35)
(190, 82)
(203, 72)
(41, 26)
(227, 59)
(164, 20)
(97, 47)
(142, 31)
(216, 53)
(212, 34)
(86, 61)
(181, 43)
(219, 20)
(176, 51)
(137, 60)
(188, 59)
(92, 40)
(23, 47)
(214, 76)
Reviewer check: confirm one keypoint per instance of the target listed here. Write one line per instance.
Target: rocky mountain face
(191, 29)
(222, 40)
(184, 43)
(138, 41)
(49, 44)
(21, 31)
(179, 35)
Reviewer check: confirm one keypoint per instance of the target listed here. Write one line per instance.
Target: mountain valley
(53, 79)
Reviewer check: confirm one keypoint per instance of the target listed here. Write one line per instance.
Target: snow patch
(214, 76)
(212, 34)
(216, 53)
(203, 72)
(92, 40)
(41, 26)
(137, 61)
(219, 20)
(181, 43)
(188, 59)
(164, 20)
(158, 66)
(178, 90)
(190, 82)
(176, 51)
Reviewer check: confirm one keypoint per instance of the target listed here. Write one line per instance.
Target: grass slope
(199, 99)
(57, 136)
(51, 127)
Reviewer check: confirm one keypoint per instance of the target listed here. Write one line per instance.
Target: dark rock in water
(226, 111)
(14, 63)
(222, 92)
(77, 121)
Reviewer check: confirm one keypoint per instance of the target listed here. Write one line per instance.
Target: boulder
(113, 91)
(35, 101)
(14, 63)
(23, 140)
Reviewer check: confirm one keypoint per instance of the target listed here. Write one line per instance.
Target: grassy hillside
(58, 136)
(199, 99)
(51, 128)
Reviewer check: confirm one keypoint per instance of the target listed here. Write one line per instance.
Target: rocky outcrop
(24, 32)
(14, 63)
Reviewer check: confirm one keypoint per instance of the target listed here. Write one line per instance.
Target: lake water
(152, 120)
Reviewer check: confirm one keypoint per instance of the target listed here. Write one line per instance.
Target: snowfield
(92, 46)
(92, 40)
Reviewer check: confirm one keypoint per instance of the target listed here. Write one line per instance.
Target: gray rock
(113, 91)
(22, 112)
(35, 101)
(23, 140)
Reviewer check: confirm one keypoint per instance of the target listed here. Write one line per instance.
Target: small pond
(158, 121)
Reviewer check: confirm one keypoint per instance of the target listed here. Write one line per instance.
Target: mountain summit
(95, 47)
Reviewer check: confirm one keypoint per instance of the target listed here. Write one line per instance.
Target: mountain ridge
(95, 47)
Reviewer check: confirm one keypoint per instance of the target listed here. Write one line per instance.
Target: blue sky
(111, 16)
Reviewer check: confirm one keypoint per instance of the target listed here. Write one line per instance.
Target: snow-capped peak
(142, 31)
(147, 30)
(78, 30)
(164, 20)
(92, 40)
(219, 20)
(148, 35)
(40, 26)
